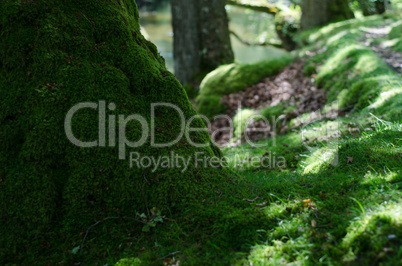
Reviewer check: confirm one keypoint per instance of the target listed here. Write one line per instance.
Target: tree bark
(318, 13)
(201, 37)
(187, 40)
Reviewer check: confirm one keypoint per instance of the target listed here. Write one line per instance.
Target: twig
(143, 198)
(101, 221)
(170, 254)
(146, 179)
(251, 200)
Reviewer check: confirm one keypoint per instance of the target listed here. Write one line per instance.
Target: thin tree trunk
(201, 37)
(187, 42)
(318, 13)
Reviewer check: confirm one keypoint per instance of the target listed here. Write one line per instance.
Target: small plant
(152, 219)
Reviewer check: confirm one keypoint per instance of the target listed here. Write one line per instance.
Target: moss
(56, 54)
(129, 262)
(368, 236)
(395, 36)
(317, 37)
(353, 74)
(287, 23)
(396, 31)
(309, 70)
(275, 111)
(241, 120)
(233, 78)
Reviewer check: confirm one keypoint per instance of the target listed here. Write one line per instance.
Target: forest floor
(338, 200)
(323, 187)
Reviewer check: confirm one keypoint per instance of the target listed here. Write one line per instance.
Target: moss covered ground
(337, 201)
(232, 78)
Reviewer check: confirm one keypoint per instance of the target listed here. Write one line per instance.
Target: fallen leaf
(313, 223)
(306, 203)
(75, 250)
(300, 229)
(167, 261)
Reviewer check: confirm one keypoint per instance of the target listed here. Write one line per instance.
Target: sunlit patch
(378, 233)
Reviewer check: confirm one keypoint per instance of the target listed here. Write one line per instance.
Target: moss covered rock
(232, 78)
(56, 54)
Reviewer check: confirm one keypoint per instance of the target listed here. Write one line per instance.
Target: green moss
(317, 37)
(309, 70)
(287, 23)
(129, 262)
(276, 111)
(368, 236)
(355, 76)
(395, 36)
(243, 118)
(233, 78)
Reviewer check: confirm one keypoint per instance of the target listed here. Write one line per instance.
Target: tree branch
(254, 44)
(260, 6)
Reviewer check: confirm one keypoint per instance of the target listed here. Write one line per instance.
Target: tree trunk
(201, 37)
(369, 7)
(318, 13)
(57, 54)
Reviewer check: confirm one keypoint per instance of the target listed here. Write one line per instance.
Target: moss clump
(309, 70)
(129, 262)
(54, 55)
(375, 237)
(241, 120)
(232, 78)
(277, 110)
(287, 24)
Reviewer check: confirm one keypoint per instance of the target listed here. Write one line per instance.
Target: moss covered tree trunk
(318, 13)
(201, 37)
(57, 54)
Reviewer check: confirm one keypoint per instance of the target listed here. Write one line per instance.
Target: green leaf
(146, 228)
(75, 250)
(152, 224)
(155, 212)
(158, 219)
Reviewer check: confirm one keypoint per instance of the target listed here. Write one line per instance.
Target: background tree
(371, 7)
(201, 37)
(317, 13)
